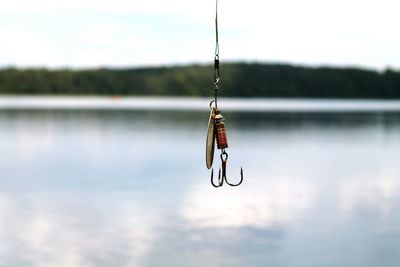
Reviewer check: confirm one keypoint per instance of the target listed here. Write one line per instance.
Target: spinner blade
(210, 143)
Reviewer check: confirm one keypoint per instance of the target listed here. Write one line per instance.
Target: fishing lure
(216, 132)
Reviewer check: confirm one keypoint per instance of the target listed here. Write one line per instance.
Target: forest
(238, 80)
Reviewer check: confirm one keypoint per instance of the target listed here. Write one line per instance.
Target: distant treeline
(238, 79)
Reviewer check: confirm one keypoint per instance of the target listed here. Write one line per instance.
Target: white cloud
(25, 48)
(351, 32)
(124, 6)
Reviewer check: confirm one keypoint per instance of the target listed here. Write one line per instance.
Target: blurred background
(103, 117)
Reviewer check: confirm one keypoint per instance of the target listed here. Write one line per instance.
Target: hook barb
(241, 179)
(222, 177)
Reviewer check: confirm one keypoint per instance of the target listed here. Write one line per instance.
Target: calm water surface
(130, 188)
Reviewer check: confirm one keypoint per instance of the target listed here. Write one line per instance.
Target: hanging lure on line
(216, 126)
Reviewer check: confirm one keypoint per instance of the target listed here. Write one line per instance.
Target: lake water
(129, 187)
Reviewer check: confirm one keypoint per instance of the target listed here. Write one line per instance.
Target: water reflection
(131, 189)
(66, 229)
(271, 201)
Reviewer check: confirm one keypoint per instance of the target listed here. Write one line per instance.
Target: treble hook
(222, 178)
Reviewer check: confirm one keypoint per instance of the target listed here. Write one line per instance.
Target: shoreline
(196, 104)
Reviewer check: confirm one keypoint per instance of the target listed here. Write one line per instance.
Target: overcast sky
(120, 33)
